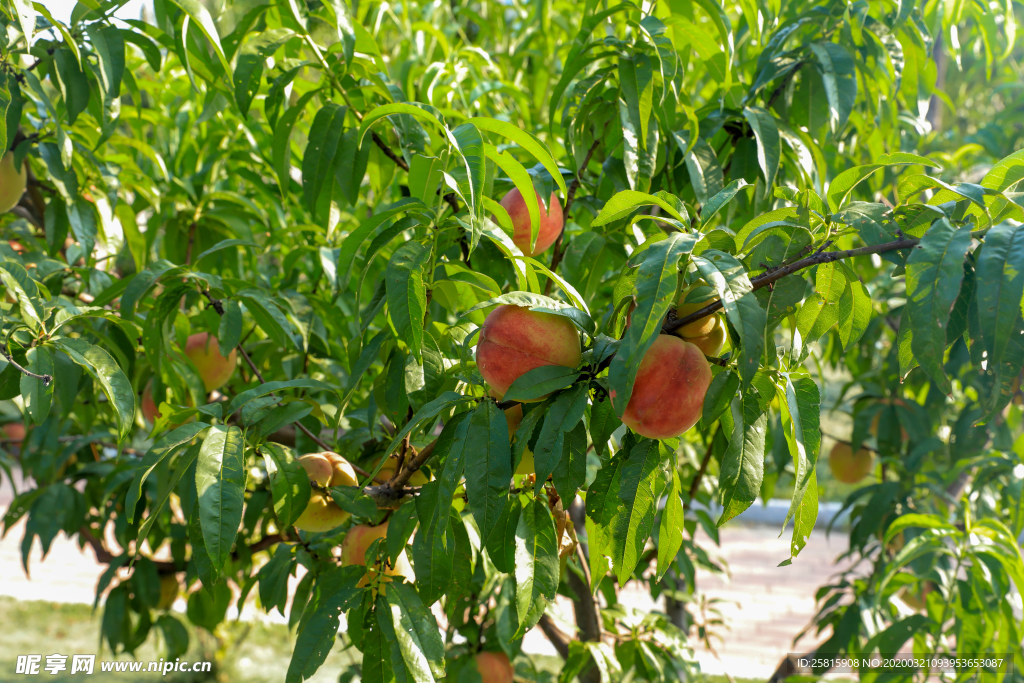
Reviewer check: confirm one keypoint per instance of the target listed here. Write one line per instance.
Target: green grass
(46, 628)
(262, 656)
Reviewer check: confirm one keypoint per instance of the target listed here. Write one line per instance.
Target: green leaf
(165, 446)
(18, 282)
(422, 111)
(717, 202)
(489, 470)
(407, 296)
(839, 74)
(935, 270)
(571, 471)
(417, 633)
(528, 141)
(561, 417)
(642, 480)
(523, 182)
(220, 484)
(281, 145)
(336, 591)
(268, 388)
(37, 393)
(108, 43)
(74, 85)
(603, 422)
(743, 462)
(289, 483)
(670, 531)
(1001, 269)
(318, 160)
(628, 201)
(537, 383)
(842, 185)
(854, 313)
(800, 417)
(181, 466)
(470, 145)
(742, 309)
(537, 568)
(197, 11)
(769, 145)
(102, 368)
(655, 292)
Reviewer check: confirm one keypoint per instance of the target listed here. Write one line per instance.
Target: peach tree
(403, 320)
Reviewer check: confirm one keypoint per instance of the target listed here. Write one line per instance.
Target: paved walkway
(764, 605)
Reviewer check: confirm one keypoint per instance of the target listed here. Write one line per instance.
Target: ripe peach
(692, 299)
(15, 432)
(148, 405)
(325, 469)
(711, 343)
(358, 540)
(204, 352)
(418, 478)
(847, 467)
(668, 393)
(13, 181)
(494, 667)
(550, 222)
(515, 340)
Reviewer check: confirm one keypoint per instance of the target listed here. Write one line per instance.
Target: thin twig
(695, 484)
(219, 307)
(769, 278)
(46, 378)
(557, 254)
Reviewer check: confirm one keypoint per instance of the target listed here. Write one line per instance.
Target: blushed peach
(494, 667)
(515, 340)
(356, 543)
(668, 393)
(325, 469)
(847, 467)
(550, 222)
(204, 352)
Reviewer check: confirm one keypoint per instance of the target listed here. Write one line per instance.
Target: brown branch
(695, 484)
(555, 635)
(813, 260)
(389, 153)
(219, 307)
(557, 254)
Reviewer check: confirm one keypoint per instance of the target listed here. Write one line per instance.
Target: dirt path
(764, 605)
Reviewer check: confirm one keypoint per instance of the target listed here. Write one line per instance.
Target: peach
(494, 667)
(692, 299)
(202, 349)
(148, 405)
(151, 410)
(847, 467)
(550, 222)
(668, 393)
(418, 478)
(13, 181)
(711, 343)
(14, 432)
(324, 469)
(515, 340)
(356, 543)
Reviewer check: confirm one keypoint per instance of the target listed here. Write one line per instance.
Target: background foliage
(316, 184)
